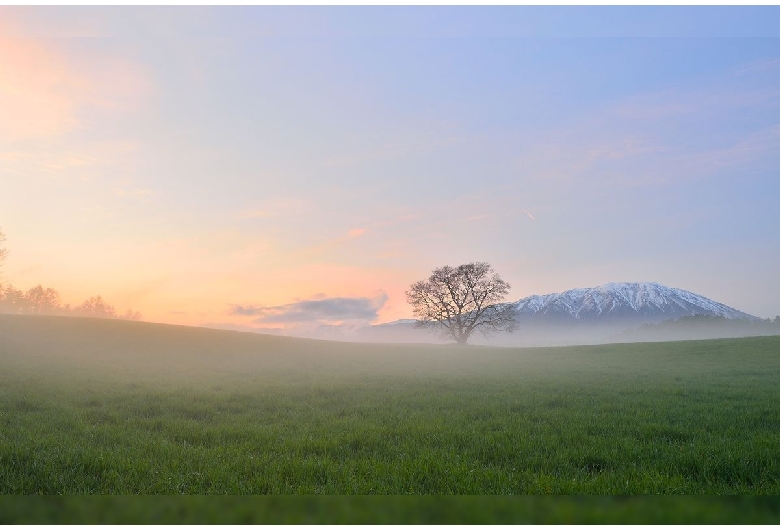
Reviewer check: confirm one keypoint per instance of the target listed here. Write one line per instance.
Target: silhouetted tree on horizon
(46, 301)
(131, 315)
(12, 300)
(95, 306)
(459, 300)
(43, 301)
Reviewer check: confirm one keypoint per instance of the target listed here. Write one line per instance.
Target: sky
(287, 167)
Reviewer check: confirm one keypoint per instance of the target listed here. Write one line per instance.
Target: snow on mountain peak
(649, 300)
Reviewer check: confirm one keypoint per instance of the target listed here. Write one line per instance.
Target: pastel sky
(278, 167)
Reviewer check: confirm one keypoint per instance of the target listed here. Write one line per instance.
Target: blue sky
(185, 161)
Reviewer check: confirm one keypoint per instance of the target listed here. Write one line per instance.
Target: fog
(90, 350)
(87, 349)
(539, 334)
(110, 406)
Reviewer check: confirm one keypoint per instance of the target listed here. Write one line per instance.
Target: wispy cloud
(652, 138)
(34, 86)
(663, 105)
(478, 217)
(96, 169)
(760, 66)
(142, 194)
(430, 137)
(43, 91)
(276, 207)
(315, 311)
(137, 293)
(330, 244)
(47, 162)
(747, 149)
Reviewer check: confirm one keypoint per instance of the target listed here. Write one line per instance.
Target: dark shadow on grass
(389, 510)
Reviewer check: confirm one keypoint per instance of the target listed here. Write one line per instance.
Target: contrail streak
(529, 215)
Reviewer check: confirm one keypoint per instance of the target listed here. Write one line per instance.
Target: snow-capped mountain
(645, 301)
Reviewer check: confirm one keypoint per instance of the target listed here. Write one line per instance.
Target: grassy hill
(116, 407)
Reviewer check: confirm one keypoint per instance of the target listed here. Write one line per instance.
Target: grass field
(113, 407)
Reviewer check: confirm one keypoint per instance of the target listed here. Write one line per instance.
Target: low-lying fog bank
(104, 349)
(535, 334)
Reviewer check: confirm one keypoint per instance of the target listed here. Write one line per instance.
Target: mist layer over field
(530, 333)
(100, 406)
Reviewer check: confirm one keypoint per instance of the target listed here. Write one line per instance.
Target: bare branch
(460, 300)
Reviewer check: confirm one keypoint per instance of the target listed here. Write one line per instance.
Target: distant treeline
(46, 301)
(704, 326)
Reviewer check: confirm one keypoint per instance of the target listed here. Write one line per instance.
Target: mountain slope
(637, 301)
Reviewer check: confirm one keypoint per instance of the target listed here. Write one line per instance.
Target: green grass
(108, 407)
(395, 509)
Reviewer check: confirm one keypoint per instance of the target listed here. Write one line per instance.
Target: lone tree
(462, 299)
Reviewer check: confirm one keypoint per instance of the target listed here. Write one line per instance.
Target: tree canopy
(460, 300)
(41, 300)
